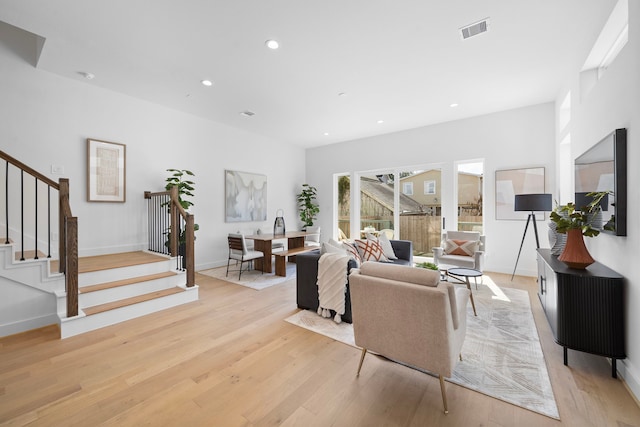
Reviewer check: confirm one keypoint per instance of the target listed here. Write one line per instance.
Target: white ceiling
(400, 61)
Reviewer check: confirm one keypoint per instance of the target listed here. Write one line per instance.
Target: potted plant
(307, 206)
(577, 223)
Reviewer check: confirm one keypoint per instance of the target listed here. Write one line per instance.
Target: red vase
(575, 253)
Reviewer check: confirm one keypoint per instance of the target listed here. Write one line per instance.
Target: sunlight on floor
(495, 289)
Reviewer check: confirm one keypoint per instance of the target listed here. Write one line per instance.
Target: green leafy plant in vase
(577, 223)
(307, 205)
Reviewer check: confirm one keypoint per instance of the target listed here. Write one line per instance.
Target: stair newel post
(71, 275)
(175, 222)
(63, 198)
(190, 250)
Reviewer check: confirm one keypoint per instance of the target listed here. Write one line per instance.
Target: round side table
(466, 273)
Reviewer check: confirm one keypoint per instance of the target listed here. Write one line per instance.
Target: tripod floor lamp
(531, 203)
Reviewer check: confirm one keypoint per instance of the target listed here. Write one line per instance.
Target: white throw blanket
(332, 284)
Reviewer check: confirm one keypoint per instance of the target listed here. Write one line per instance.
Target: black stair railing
(17, 217)
(171, 230)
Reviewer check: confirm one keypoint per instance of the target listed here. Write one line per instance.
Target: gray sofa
(307, 276)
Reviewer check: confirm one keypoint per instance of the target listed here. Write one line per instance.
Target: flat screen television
(603, 167)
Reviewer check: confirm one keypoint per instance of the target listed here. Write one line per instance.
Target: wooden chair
(238, 251)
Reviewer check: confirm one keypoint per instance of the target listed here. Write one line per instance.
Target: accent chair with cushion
(408, 315)
(461, 249)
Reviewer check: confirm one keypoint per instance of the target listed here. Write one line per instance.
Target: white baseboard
(28, 324)
(630, 376)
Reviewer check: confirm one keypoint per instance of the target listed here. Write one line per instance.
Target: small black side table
(466, 273)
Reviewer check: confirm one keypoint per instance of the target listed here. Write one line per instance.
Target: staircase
(112, 288)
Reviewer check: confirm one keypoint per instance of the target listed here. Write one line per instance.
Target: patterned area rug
(502, 357)
(252, 279)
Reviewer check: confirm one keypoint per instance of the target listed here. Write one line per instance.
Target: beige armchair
(460, 256)
(406, 314)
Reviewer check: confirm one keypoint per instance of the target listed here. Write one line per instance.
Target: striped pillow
(370, 250)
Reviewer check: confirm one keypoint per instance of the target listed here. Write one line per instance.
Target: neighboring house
(425, 188)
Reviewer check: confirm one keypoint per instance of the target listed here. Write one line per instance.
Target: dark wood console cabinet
(583, 307)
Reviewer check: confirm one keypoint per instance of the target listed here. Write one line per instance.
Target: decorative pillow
(370, 250)
(460, 247)
(352, 251)
(386, 246)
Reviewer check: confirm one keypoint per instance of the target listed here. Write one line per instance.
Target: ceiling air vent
(475, 29)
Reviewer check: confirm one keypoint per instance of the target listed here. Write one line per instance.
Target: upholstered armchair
(461, 249)
(408, 315)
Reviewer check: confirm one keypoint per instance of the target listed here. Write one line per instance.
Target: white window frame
(430, 187)
(407, 188)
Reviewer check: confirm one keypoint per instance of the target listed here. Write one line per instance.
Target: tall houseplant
(307, 205)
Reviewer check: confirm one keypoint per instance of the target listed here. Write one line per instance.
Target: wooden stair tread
(124, 282)
(130, 301)
(106, 262)
(30, 254)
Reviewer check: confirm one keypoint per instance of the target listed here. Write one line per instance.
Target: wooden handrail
(68, 232)
(29, 170)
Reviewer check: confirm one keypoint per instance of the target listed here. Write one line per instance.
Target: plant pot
(575, 253)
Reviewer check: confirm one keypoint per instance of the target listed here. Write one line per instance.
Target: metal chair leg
(364, 351)
(444, 394)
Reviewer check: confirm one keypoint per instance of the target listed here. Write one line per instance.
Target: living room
(47, 119)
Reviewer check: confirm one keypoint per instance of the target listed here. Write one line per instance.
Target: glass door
(420, 209)
(470, 180)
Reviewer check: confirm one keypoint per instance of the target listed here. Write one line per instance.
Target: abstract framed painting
(517, 181)
(245, 196)
(106, 171)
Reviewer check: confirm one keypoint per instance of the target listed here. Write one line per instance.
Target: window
(430, 187)
(610, 42)
(407, 188)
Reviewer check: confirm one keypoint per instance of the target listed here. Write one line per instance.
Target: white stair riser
(80, 324)
(121, 292)
(33, 273)
(114, 274)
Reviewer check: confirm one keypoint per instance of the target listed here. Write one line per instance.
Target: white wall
(615, 103)
(47, 118)
(518, 138)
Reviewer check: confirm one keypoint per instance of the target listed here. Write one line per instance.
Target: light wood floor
(231, 360)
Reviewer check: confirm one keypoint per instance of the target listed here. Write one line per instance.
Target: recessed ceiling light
(247, 113)
(326, 134)
(342, 94)
(207, 82)
(380, 121)
(88, 76)
(454, 105)
(272, 44)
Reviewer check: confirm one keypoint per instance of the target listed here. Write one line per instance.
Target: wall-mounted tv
(604, 168)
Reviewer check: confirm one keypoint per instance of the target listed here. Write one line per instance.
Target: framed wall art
(106, 171)
(245, 196)
(517, 181)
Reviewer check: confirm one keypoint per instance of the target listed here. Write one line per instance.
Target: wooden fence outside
(423, 230)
